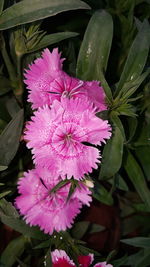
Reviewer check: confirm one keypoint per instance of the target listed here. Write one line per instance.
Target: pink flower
(61, 259)
(85, 261)
(49, 210)
(103, 264)
(40, 75)
(46, 82)
(57, 137)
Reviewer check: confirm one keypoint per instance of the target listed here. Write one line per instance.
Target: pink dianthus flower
(57, 137)
(61, 259)
(47, 81)
(49, 210)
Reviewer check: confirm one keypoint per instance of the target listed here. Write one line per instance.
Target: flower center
(66, 86)
(51, 201)
(67, 138)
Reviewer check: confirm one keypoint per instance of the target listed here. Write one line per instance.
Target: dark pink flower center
(51, 201)
(66, 86)
(67, 138)
(62, 263)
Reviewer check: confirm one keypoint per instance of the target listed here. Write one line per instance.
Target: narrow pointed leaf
(14, 249)
(21, 227)
(137, 56)
(9, 139)
(52, 39)
(32, 10)
(137, 178)
(3, 168)
(112, 155)
(142, 242)
(1, 5)
(95, 49)
(4, 193)
(101, 194)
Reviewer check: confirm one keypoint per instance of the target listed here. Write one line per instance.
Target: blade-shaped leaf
(52, 39)
(143, 155)
(3, 168)
(48, 258)
(95, 49)
(14, 249)
(142, 242)
(101, 194)
(32, 10)
(9, 139)
(112, 155)
(1, 5)
(3, 194)
(79, 229)
(8, 209)
(137, 178)
(5, 85)
(21, 227)
(137, 56)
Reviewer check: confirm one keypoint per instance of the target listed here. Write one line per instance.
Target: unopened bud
(89, 183)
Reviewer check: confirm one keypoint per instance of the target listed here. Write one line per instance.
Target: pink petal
(103, 264)
(85, 261)
(61, 259)
(50, 211)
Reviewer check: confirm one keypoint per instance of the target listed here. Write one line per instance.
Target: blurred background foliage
(105, 40)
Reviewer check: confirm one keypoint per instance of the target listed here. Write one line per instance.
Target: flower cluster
(60, 258)
(63, 135)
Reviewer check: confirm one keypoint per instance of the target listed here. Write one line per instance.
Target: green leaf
(44, 244)
(143, 155)
(138, 258)
(52, 39)
(94, 52)
(85, 251)
(14, 249)
(1, 5)
(8, 209)
(3, 168)
(130, 87)
(48, 259)
(79, 229)
(137, 56)
(10, 138)
(116, 120)
(95, 228)
(71, 190)
(10, 217)
(142, 242)
(5, 193)
(132, 123)
(12, 106)
(112, 155)
(59, 185)
(101, 194)
(120, 262)
(119, 182)
(5, 85)
(31, 10)
(145, 260)
(126, 109)
(137, 178)
(21, 227)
